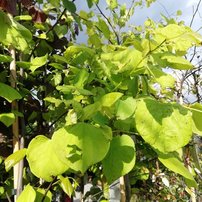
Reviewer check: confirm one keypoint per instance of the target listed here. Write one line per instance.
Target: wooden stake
(122, 189)
(15, 126)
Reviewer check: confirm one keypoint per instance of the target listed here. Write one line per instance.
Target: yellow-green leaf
(28, 194)
(14, 158)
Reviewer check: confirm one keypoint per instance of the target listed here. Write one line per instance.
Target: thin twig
(46, 192)
(54, 122)
(7, 196)
(197, 8)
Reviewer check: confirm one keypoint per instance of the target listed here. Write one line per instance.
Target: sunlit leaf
(14, 158)
(23, 17)
(123, 60)
(81, 145)
(103, 27)
(125, 108)
(66, 185)
(13, 33)
(28, 194)
(38, 62)
(172, 162)
(165, 126)
(9, 93)
(112, 3)
(109, 99)
(164, 79)
(181, 36)
(177, 62)
(7, 119)
(43, 160)
(196, 110)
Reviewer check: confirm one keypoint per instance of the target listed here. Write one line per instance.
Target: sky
(165, 7)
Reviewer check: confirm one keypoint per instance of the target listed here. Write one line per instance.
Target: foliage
(108, 106)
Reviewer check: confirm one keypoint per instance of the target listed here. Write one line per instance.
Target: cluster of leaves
(92, 104)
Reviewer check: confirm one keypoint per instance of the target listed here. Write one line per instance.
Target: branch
(54, 122)
(92, 25)
(51, 28)
(110, 24)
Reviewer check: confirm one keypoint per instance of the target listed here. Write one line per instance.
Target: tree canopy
(105, 109)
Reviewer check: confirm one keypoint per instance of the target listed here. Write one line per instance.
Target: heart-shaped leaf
(43, 160)
(120, 159)
(81, 145)
(165, 126)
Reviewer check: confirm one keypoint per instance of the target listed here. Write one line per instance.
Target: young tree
(107, 109)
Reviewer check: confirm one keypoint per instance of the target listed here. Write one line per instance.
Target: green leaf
(13, 33)
(120, 158)
(81, 145)
(172, 162)
(165, 126)
(90, 110)
(102, 25)
(7, 119)
(124, 60)
(40, 193)
(177, 62)
(109, 99)
(196, 110)
(112, 4)
(70, 6)
(165, 80)
(43, 159)
(23, 64)
(66, 185)
(90, 3)
(38, 62)
(180, 37)
(125, 108)
(14, 158)
(28, 194)
(106, 100)
(5, 58)
(81, 78)
(75, 55)
(23, 17)
(9, 93)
